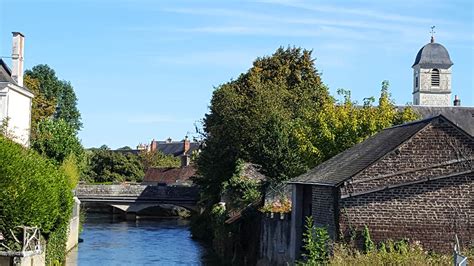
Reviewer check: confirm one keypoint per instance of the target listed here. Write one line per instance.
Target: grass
(393, 253)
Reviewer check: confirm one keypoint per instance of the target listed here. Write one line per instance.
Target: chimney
(457, 101)
(185, 160)
(17, 57)
(153, 145)
(186, 145)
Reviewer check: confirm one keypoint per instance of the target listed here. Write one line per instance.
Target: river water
(144, 242)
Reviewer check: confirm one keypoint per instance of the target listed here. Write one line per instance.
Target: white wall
(19, 114)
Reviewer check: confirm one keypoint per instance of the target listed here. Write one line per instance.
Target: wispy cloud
(321, 21)
(361, 12)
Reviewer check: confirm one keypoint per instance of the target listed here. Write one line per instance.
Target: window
(435, 77)
(416, 81)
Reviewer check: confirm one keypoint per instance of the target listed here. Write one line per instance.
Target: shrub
(389, 253)
(240, 189)
(368, 243)
(34, 192)
(316, 244)
(71, 170)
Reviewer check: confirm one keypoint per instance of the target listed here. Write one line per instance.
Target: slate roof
(462, 117)
(5, 73)
(169, 175)
(353, 160)
(176, 148)
(5, 78)
(433, 55)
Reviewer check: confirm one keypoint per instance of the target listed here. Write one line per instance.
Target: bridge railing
(139, 191)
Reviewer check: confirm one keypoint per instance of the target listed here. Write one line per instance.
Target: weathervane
(432, 33)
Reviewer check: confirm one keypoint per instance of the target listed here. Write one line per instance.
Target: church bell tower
(432, 75)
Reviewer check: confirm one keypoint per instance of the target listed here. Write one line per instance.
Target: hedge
(34, 192)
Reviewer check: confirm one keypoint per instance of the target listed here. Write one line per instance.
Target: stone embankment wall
(74, 226)
(32, 259)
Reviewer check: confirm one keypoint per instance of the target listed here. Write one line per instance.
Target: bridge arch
(104, 207)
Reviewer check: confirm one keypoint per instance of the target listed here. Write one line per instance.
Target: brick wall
(437, 150)
(323, 209)
(427, 211)
(430, 212)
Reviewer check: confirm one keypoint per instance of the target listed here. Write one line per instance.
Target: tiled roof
(169, 175)
(353, 160)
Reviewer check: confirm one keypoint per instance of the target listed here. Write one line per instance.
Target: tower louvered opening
(435, 78)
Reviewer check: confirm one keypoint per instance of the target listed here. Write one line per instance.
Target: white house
(15, 99)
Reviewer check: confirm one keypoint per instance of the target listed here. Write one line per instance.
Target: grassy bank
(391, 254)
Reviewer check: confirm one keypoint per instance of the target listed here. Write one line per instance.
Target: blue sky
(145, 69)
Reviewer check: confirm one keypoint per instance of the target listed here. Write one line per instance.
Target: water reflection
(144, 242)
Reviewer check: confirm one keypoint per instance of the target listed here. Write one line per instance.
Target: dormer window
(435, 78)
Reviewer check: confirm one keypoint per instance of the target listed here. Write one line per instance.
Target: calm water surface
(158, 242)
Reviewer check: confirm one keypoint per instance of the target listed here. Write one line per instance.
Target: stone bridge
(132, 199)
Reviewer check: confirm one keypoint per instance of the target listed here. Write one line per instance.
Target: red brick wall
(430, 212)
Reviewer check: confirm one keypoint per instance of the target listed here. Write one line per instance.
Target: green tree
(111, 166)
(157, 159)
(281, 116)
(51, 90)
(56, 139)
(50, 85)
(276, 91)
(42, 108)
(67, 106)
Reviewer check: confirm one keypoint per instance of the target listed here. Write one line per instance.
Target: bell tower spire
(432, 34)
(432, 75)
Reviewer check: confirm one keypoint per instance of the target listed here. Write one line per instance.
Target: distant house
(15, 99)
(169, 176)
(175, 148)
(414, 181)
(167, 147)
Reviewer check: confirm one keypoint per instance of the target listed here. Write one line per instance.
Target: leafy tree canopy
(56, 139)
(113, 166)
(53, 97)
(42, 107)
(281, 116)
(157, 159)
